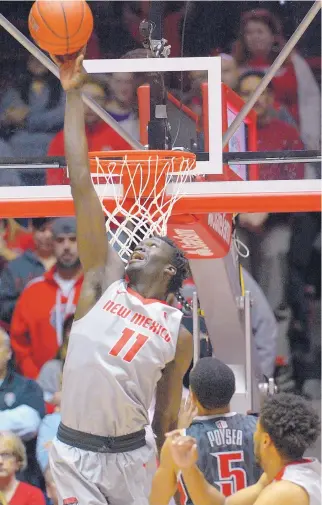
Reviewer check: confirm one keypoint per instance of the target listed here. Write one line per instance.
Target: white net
(143, 208)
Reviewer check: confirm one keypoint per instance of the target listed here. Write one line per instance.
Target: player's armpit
(169, 388)
(164, 484)
(281, 493)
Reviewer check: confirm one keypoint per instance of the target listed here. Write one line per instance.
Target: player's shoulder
(283, 492)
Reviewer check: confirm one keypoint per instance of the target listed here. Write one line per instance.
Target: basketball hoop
(143, 208)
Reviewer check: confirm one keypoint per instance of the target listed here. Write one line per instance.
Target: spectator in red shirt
(272, 133)
(37, 322)
(268, 235)
(260, 41)
(12, 460)
(100, 136)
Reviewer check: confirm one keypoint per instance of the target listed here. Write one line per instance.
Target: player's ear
(170, 270)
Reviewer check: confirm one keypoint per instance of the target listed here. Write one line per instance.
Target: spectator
(229, 71)
(261, 40)
(14, 239)
(100, 136)
(21, 408)
(267, 235)
(42, 100)
(13, 459)
(50, 487)
(8, 177)
(26, 267)
(37, 323)
(120, 105)
(50, 376)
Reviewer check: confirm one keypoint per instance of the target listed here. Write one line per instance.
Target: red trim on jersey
(145, 301)
(280, 474)
(70, 501)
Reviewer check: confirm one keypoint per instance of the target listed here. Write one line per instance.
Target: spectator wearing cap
(21, 408)
(20, 271)
(37, 322)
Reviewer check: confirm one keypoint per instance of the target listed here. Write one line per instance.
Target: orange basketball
(60, 27)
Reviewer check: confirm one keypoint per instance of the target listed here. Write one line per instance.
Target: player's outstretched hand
(187, 412)
(71, 70)
(183, 449)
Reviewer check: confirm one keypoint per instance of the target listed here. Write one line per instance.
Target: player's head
(286, 428)
(65, 245)
(212, 384)
(247, 84)
(158, 261)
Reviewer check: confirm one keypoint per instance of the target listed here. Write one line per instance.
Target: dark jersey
(226, 452)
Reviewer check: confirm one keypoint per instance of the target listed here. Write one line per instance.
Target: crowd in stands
(40, 272)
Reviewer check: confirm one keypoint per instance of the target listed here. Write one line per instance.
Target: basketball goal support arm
(37, 53)
(287, 49)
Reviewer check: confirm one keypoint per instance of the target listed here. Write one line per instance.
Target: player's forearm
(247, 496)
(162, 424)
(200, 491)
(76, 146)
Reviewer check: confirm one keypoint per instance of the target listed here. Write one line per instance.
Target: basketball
(60, 26)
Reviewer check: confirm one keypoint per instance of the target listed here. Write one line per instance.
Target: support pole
(37, 53)
(196, 328)
(287, 49)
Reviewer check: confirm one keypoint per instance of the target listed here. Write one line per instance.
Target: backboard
(212, 161)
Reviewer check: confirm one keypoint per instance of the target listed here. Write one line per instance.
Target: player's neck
(213, 412)
(147, 291)
(273, 466)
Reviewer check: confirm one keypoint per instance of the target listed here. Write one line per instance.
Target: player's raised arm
(94, 250)
(169, 388)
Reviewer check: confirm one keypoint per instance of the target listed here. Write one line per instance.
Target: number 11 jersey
(226, 452)
(116, 354)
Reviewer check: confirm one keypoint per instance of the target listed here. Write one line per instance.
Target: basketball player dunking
(126, 342)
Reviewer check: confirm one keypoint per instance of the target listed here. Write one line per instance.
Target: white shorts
(91, 478)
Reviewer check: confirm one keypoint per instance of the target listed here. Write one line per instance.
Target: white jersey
(306, 473)
(116, 354)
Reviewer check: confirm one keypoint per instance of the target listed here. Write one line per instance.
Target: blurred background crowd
(40, 272)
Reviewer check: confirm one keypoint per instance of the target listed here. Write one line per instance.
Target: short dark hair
(213, 383)
(38, 222)
(291, 423)
(181, 264)
(254, 73)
